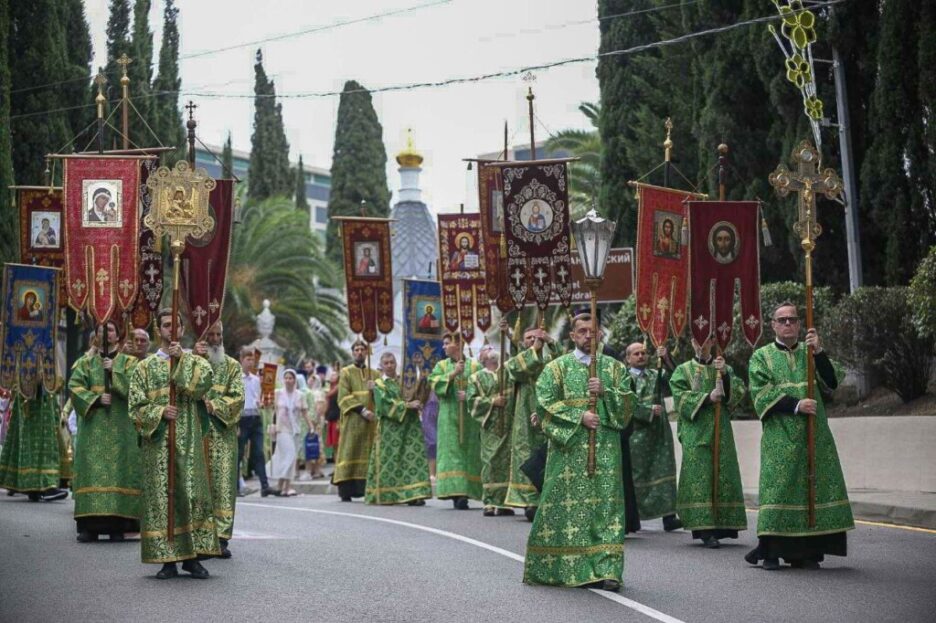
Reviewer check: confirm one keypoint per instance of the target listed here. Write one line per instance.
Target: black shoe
(87, 537)
(53, 494)
(752, 557)
(245, 492)
(168, 570)
(416, 503)
(771, 564)
(268, 491)
(117, 537)
(460, 503)
(346, 498)
(488, 512)
(504, 512)
(612, 586)
(711, 542)
(810, 564)
(33, 497)
(671, 522)
(225, 552)
(195, 569)
(10, 493)
(530, 513)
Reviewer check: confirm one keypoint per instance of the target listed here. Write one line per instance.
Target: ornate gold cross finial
(100, 80)
(123, 61)
(190, 107)
(668, 143)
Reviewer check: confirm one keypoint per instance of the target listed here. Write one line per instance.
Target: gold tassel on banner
(765, 231)
(684, 234)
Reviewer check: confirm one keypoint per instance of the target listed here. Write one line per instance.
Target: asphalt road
(314, 558)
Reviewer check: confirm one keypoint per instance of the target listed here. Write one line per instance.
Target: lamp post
(593, 236)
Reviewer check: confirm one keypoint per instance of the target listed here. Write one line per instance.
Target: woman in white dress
(290, 406)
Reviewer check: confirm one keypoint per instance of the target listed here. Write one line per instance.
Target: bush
(873, 329)
(922, 295)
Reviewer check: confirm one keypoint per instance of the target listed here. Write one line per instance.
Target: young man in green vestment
(193, 533)
(357, 425)
(492, 407)
(651, 444)
(458, 454)
(696, 390)
(398, 471)
(107, 482)
(223, 404)
(778, 375)
(523, 369)
(577, 538)
(30, 461)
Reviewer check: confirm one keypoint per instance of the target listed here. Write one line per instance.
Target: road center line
(624, 601)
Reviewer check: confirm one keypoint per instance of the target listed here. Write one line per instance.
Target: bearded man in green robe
(193, 533)
(107, 483)
(357, 425)
(458, 470)
(399, 470)
(223, 405)
(577, 537)
(523, 369)
(778, 375)
(492, 407)
(651, 444)
(696, 390)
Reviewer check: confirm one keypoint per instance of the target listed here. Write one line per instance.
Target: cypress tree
(359, 164)
(140, 72)
(118, 44)
(74, 92)
(37, 43)
(9, 242)
(270, 174)
(227, 159)
(302, 202)
(167, 115)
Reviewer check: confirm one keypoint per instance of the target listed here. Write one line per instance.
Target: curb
(875, 511)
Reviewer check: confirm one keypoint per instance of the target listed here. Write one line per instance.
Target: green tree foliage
(359, 164)
(119, 42)
(74, 93)
(270, 174)
(9, 242)
(140, 72)
(872, 330)
(275, 256)
(922, 296)
(585, 173)
(37, 57)
(227, 158)
(167, 114)
(302, 202)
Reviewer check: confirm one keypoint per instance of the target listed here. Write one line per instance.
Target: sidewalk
(905, 508)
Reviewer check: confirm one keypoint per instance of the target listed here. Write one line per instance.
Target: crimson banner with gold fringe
(368, 275)
(662, 261)
(536, 226)
(725, 254)
(491, 208)
(102, 230)
(41, 223)
(205, 262)
(150, 293)
(28, 327)
(464, 294)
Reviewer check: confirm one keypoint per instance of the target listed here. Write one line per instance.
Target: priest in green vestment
(778, 385)
(653, 460)
(523, 369)
(696, 390)
(492, 407)
(458, 437)
(107, 482)
(357, 425)
(29, 461)
(223, 405)
(193, 535)
(577, 537)
(398, 472)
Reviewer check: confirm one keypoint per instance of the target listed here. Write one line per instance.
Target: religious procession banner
(151, 260)
(29, 324)
(422, 335)
(724, 254)
(205, 262)
(267, 382)
(491, 204)
(40, 214)
(536, 226)
(102, 230)
(464, 292)
(662, 261)
(368, 275)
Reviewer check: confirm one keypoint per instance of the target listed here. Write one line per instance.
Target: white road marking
(624, 601)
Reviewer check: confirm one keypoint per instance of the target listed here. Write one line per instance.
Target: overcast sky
(438, 41)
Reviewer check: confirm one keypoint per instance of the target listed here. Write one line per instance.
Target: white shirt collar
(582, 357)
(162, 354)
(637, 371)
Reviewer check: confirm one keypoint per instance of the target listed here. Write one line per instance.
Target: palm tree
(585, 173)
(275, 256)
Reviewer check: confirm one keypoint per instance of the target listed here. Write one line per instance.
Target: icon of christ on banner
(366, 259)
(723, 242)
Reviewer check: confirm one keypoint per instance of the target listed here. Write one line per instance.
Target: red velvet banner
(151, 260)
(41, 225)
(662, 261)
(536, 214)
(368, 275)
(725, 254)
(102, 223)
(205, 262)
(465, 301)
(491, 203)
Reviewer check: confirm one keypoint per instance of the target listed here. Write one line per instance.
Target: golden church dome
(409, 157)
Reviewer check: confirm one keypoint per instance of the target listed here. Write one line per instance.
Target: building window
(321, 214)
